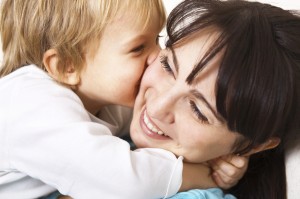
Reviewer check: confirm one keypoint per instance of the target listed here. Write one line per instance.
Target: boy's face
(114, 69)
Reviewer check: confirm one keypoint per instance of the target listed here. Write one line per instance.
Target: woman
(228, 82)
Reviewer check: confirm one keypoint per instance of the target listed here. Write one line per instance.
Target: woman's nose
(162, 108)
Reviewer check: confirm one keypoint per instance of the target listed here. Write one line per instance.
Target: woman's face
(181, 118)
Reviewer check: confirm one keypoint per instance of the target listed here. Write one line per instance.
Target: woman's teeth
(152, 127)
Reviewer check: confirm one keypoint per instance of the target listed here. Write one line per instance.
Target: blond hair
(29, 28)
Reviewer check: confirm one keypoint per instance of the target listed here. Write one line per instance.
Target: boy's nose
(154, 53)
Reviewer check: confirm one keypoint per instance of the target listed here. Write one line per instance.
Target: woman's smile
(176, 116)
(150, 128)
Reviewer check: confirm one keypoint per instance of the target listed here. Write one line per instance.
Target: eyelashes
(165, 64)
(198, 113)
(138, 49)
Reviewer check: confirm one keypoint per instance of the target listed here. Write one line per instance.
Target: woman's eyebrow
(201, 97)
(196, 93)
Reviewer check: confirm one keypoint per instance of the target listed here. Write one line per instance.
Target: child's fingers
(228, 173)
(226, 178)
(223, 181)
(232, 165)
(237, 161)
(220, 176)
(228, 170)
(225, 168)
(218, 180)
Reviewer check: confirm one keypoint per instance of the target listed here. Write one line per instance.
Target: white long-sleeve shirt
(49, 141)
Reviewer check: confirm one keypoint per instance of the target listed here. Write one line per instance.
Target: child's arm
(223, 172)
(51, 137)
(228, 170)
(196, 176)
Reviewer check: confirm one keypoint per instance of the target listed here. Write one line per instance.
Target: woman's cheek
(150, 75)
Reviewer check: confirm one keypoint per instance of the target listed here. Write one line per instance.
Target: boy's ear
(51, 61)
(269, 144)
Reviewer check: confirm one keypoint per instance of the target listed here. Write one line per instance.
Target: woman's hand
(228, 170)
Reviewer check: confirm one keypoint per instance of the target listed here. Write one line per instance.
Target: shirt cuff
(175, 179)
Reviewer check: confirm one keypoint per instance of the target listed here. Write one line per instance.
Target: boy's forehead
(130, 21)
(140, 14)
(126, 31)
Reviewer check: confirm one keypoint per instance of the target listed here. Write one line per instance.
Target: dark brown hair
(257, 89)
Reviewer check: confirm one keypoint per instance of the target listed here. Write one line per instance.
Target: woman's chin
(137, 140)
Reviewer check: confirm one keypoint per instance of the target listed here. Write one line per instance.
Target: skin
(111, 75)
(114, 68)
(194, 139)
(195, 131)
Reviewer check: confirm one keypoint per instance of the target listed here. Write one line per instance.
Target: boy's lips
(150, 129)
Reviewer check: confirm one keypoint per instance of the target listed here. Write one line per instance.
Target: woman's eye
(138, 49)
(198, 113)
(165, 64)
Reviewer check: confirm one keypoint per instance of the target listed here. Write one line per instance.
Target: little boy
(64, 62)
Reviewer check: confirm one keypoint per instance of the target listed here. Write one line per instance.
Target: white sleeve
(118, 116)
(50, 137)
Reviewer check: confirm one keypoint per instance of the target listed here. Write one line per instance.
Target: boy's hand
(228, 170)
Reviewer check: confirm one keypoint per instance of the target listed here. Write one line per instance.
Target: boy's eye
(198, 113)
(165, 64)
(138, 49)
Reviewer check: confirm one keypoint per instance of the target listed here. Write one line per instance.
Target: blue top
(213, 193)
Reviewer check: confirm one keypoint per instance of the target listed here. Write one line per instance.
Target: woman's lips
(150, 129)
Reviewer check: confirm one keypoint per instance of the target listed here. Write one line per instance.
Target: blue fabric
(53, 195)
(213, 193)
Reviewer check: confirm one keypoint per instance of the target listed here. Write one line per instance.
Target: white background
(286, 4)
(170, 4)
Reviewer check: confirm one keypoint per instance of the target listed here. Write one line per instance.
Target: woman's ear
(51, 63)
(269, 144)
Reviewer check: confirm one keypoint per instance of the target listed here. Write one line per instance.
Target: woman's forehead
(196, 51)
